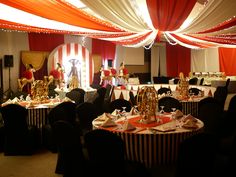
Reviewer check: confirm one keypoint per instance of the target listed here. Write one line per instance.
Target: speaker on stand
(8, 62)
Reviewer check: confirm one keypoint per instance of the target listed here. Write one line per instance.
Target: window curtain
(227, 61)
(178, 60)
(205, 60)
(42, 42)
(104, 48)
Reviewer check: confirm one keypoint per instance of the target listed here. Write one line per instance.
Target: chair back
(201, 81)
(71, 160)
(211, 113)
(105, 151)
(19, 140)
(63, 111)
(133, 99)
(164, 90)
(193, 81)
(119, 104)
(19, 94)
(194, 91)
(86, 113)
(99, 100)
(221, 94)
(76, 95)
(197, 154)
(109, 92)
(168, 103)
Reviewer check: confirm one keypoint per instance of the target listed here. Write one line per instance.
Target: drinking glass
(173, 112)
(162, 110)
(124, 112)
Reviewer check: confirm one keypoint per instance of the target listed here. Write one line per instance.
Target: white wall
(11, 43)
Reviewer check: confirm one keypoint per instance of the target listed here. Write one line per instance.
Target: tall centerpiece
(147, 104)
(183, 86)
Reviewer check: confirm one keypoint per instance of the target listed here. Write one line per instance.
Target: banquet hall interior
(122, 87)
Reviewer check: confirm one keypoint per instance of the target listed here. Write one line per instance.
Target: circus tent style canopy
(131, 23)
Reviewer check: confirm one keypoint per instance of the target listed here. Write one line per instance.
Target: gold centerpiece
(183, 86)
(39, 89)
(147, 104)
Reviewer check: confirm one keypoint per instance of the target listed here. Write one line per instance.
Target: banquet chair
(169, 103)
(194, 91)
(99, 100)
(132, 98)
(193, 81)
(18, 94)
(164, 90)
(70, 149)
(211, 113)
(77, 95)
(229, 119)
(20, 138)
(51, 91)
(197, 156)
(106, 151)
(62, 111)
(86, 113)
(176, 80)
(221, 94)
(201, 81)
(109, 92)
(119, 104)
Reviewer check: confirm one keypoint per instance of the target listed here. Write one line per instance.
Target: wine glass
(173, 112)
(124, 112)
(162, 109)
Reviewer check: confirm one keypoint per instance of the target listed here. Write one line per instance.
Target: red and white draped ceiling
(131, 23)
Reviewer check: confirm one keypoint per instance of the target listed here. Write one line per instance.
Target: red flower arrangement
(125, 71)
(106, 72)
(28, 75)
(113, 71)
(56, 74)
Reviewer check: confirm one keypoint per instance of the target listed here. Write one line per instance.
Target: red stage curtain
(227, 61)
(104, 48)
(42, 42)
(178, 60)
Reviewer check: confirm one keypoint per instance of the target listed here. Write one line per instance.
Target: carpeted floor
(41, 164)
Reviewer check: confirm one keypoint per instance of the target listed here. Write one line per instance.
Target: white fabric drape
(205, 60)
(158, 61)
(155, 61)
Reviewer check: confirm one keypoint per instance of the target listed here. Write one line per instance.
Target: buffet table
(153, 144)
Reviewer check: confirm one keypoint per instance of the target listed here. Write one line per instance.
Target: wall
(12, 43)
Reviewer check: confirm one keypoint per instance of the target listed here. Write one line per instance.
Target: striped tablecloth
(153, 147)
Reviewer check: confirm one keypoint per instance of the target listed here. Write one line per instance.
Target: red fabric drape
(227, 59)
(178, 60)
(42, 42)
(168, 15)
(104, 48)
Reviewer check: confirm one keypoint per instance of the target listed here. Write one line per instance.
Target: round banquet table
(148, 145)
(189, 106)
